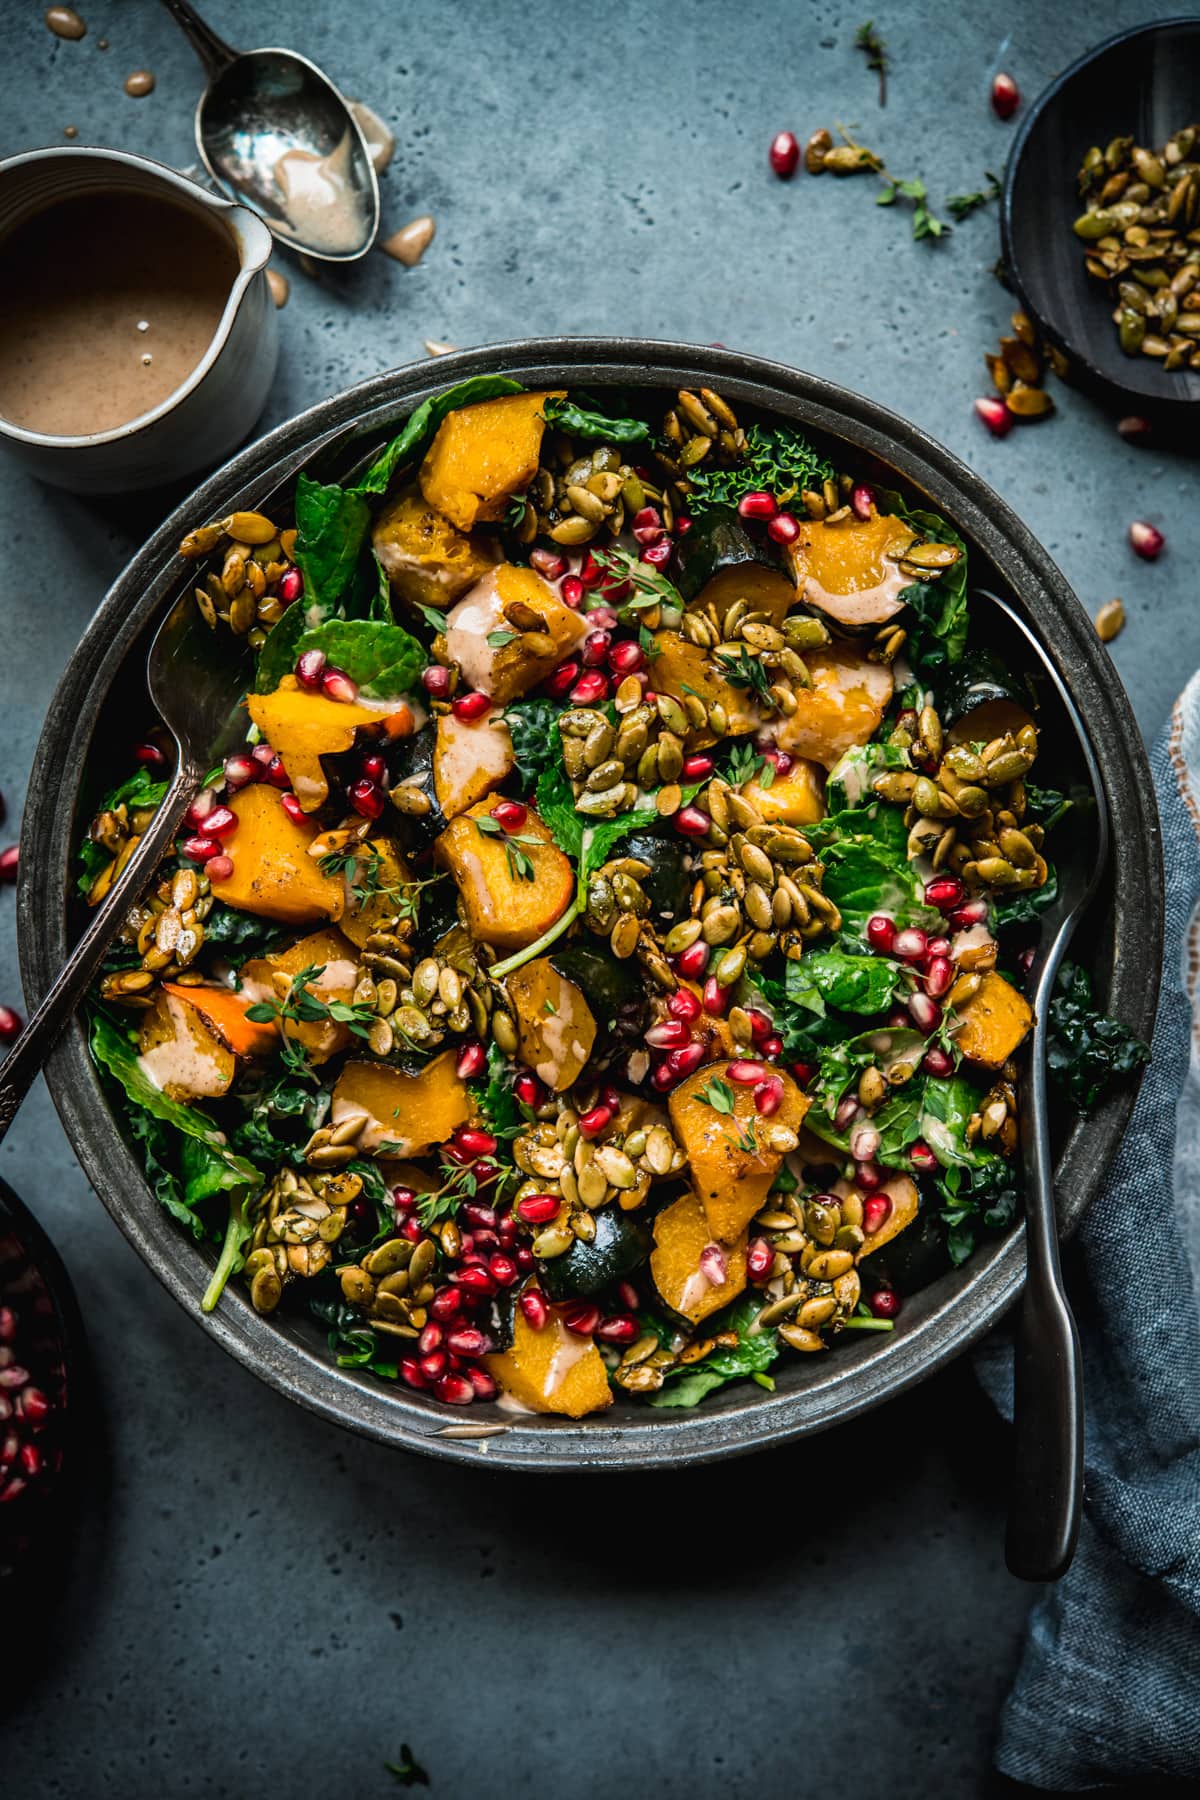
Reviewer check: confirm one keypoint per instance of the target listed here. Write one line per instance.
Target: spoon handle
(1047, 1484)
(214, 53)
(25, 1059)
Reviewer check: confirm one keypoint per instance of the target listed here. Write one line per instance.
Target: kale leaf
(566, 415)
(776, 458)
(384, 660)
(1087, 1051)
(752, 1356)
(533, 728)
(857, 984)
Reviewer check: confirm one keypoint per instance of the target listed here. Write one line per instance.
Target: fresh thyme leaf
(867, 39)
(648, 643)
(489, 827)
(961, 206)
(514, 518)
(652, 588)
(433, 618)
(745, 764)
(408, 1772)
(741, 670)
(925, 224)
(718, 1094)
(498, 639)
(548, 1006)
(747, 1143)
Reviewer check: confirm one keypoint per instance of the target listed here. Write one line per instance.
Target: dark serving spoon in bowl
(1047, 1487)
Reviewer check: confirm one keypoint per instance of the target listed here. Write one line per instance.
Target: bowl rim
(944, 1318)
(1084, 373)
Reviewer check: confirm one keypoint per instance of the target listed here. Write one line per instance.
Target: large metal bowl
(86, 734)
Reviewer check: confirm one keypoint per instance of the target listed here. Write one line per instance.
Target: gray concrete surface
(256, 1600)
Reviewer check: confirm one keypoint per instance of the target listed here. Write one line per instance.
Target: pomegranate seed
(760, 1258)
(1134, 429)
(847, 1111)
(592, 1123)
(510, 815)
(533, 1304)
(14, 1376)
(758, 505)
(922, 1158)
(628, 1296)
(561, 680)
(590, 572)
(692, 962)
(663, 1078)
(11, 1024)
(8, 1325)
(474, 1141)
(780, 761)
(868, 1174)
(548, 563)
(290, 586)
(293, 809)
(760, 1024)
(374, 767)
(611, 1097)
(276, 773)
(436, 681)
(220, 823)
(626, 658)
(310, 668)
(502, 1269)
(367, 799)
(35, 1407)
(582, 1319)
(864, 1143)
(995, 415)
(926, 1013)
(885, 1303)
(11, 1489)
(768, 1096)
(446, 1304)
(937, 1062)
(240, 771)
(974, 912)
(204, 803)
(746, 1073)
(470, 706)
(685, 1060)
(691, 822)
(571, 591)
(939, 976)
(337, 685)
(200, 849)
(430, 1339)
(263, 755)
(455, 1390)
(1147, 540)
(594, 653)
(539, 1209)
(683, 1004)
(590, 687)
(529, 1090)
(1025, 960)
(1006, 96)
(219, 868)
(713, 1266)
(803, 1072)
(603, 618)
(697, 768)
(877, 1210)
(150, 756)
(862, 502)
(410, 1369)
(784, 528)
(668, 1035)
(945, 892)
(683, 523)
(910, 945)
(467, 1340)
(413, 1230)
(784, 154)
(881, 933)
(716, 998)
(403, 1200)
(772, 1047)
(648, 527)
(475, 1280)
(484, 1384)
(657, 555)
(31, 1460)
(620, 1328)
(472, 1061)
(9, 860)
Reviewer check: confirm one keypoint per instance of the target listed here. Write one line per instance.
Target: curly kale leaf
(1087, 1050)
(776, 458)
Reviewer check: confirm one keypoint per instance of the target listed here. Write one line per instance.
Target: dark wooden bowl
(1145, 82)
(86, 737)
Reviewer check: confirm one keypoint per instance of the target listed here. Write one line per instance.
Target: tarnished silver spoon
(276, 134)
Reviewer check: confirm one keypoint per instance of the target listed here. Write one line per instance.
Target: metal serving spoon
(270, 121)
(196, 686)
(1047, 1487)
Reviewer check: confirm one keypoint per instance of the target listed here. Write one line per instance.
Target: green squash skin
(413, 757)
(667, 884)
(915, 1257)
(621, 1246)
(981, 678)
(718, 540)
(614, 993)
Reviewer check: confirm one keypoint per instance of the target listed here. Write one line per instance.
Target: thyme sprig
(868, 40)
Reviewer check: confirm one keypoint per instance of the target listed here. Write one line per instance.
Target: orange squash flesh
(555, 1027)
(471, 759)
(797, 798)
(327, 950)
(482, 455)
(682, 1233)
(901, 1190)
(224, 1012)
(428, 561)
(503, 907)
(410, 1112)
(273, 874)
(843, 707)
(680, 666)
(847, 569)
(302, 728)
(993, 1022)
(390, 876)
(551, 1370)
(498, 657)
(181, 1053)
(731, 1182)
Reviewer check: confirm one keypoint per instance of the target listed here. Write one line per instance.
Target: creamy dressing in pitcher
(108, 301)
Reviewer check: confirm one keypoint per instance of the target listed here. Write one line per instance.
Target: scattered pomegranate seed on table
(784, 154)
(1006, 96)
(1146, 540)
(995, 416)
(9, 860)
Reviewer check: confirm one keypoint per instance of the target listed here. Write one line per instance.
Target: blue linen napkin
(1108, 1687)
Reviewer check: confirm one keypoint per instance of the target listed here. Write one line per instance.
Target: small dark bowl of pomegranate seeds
(41, 1356)
(581, 1016)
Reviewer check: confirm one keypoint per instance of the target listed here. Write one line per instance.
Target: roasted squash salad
(599, 973)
